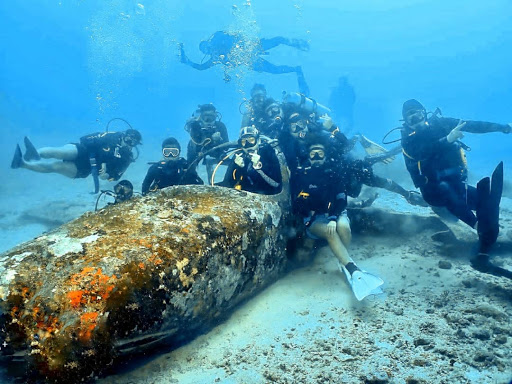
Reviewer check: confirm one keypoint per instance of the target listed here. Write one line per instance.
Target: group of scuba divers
(323, 170)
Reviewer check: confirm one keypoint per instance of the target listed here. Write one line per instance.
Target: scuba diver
(436, 161)
(341, 102)
(171, 170)
(273, 120)
(254, 114)
(234, 49)
(304, 114)
(105, 155)
(123, 191)
(299, 123)
(206, 132)
(265, 113)
(355, 172)
(320, 199)
(255, 167)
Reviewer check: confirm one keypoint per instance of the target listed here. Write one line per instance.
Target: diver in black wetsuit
(233, 49)
(206, 132)
(255, 113)
(255, 168)
(354, 173)
(298, 126)
(104, 154)
(171, 170)
(273, 121)
(320, 199)
(436, 161)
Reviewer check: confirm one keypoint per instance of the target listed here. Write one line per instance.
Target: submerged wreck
(155, 268)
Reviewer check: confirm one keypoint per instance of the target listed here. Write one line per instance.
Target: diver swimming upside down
(234, 49)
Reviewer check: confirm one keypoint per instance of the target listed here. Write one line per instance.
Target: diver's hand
(327, 121)
(102, 172)
(456, 134)
(508, 129)
(331, 228)
(216, 137)
(255, 158)
(273, 142)
(239, 160)
(415, 198)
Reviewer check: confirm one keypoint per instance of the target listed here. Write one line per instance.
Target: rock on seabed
(154, 268)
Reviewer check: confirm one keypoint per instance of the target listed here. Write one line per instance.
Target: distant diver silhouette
(233, 50)
(341, 103)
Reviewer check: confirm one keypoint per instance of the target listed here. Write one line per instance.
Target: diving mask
(130, 141)
(317, 154)
(123, 191)
(415, 117)
(248, 141)
(208, 118)
(273, 111)
(174, 152)
(299, 126)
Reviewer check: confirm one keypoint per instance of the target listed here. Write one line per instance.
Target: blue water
(68, 67)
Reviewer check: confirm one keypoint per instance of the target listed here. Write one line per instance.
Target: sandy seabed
(438, 321)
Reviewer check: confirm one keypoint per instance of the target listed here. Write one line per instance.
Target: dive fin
(482, 263)
(488, 208)
(496, 192)
(374, 149)
(301, 44)
(363, 283)
(17, 159)
(31, 153)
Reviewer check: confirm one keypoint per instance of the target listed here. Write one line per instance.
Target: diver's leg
(361, 282)
(273, 42)
(67, 152)
(471, 197)
(451, 197)
(343, 229)
(303, 86)
(65, 168)
(262, 65)
(319, 229)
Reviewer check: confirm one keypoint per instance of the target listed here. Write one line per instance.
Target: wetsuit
(354, 173)
(438, 168)
(166, 173)
(234, 49)
(106, 148)
(265, 180)
(201, 139)
(317, 193)
(254, 116)
(295, 150)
